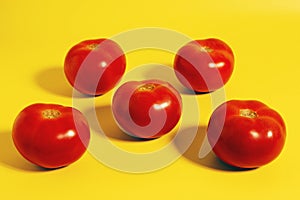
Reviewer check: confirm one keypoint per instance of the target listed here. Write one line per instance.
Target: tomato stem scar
(206, 49)
(51, 114)
(248, 113)
(92, 46)
(146, 87)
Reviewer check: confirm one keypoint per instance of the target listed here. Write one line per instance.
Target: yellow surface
(35, 36)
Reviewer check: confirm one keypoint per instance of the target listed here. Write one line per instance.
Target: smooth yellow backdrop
(35, 36)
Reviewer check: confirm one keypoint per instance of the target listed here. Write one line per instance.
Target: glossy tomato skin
(94, 67)
(246, 133)
(204, 65)
(51, 135)
(146, 109)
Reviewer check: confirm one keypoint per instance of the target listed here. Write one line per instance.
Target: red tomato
(204, 65)
(146, 109)
(94, 67)
(50, 135)
(252, 134)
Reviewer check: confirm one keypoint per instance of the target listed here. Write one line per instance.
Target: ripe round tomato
(50, 135)
(94, 67)
(252, 134)
(204, 65)
(146, 109)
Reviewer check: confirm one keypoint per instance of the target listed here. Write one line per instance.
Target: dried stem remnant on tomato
(206, 49)
(147, 87)
(51, 114)
(92, 46)
(248, 113)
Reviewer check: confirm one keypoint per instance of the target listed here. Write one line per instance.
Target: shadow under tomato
(10, 157)
(166, 72)
(192, 153)
(107, 123)
(53, 80)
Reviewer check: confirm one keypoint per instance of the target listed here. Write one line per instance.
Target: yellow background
(35, 36)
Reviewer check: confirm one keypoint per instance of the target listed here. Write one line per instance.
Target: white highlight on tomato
(68, 134)
(103, 64)
(270, 134)
(254, 134)
(161, 106)
(216, 65)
